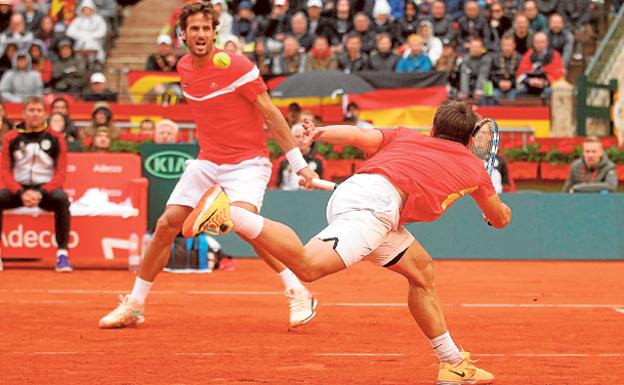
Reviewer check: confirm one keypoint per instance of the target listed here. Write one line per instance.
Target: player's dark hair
(204, 7)
(454, 121)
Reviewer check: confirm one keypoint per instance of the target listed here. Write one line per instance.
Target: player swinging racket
(408, 177)
(230, 105)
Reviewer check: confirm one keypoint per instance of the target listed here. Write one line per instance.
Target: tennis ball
(221, 60)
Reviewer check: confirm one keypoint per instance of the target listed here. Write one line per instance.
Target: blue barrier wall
(544, 226)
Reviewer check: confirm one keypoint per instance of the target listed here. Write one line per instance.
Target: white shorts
(363, 216)
(243, 182)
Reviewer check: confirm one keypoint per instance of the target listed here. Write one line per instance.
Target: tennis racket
(485, 142)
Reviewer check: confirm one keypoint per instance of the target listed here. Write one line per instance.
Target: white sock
(446, 350)
(62, 252)
(246, 223)
(140, 290)
(290, 280)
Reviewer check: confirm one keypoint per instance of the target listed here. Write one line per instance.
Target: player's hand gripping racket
(485, 146)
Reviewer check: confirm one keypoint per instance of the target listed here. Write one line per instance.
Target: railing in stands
(603, 61)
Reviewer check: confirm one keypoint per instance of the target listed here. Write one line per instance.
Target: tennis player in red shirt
(408, 177)
(230, 106)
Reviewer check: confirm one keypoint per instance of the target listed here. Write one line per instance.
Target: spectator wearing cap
(442, 22)
(68, 71)
(560, 38)
(275, 26)
(408, 24)
(472, 24)
(342, 22)
(537, 21)
(166, 132)
(88, 29)
(102, 140)
(21, 82)
(98, 92)
(16, 32)
(292, 59)
(474, 70)
(319, 25)
(164, 60)
(522, 33)
(40, 60)
(6, 10)
(431, 45)
(353, 58)
(244, 25)
(415, 60)
(32, 15)
(361, 26)
(499, 22)
(299, 28)
(320, 57)
(383, 59)
(101, 116)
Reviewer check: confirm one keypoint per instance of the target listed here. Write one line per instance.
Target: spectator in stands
(415, 60)
(102, 140)
(342, 22)
(353, 59)
(408, 24)
(166, 132)
(16, 32)
(382, 23)
(454, 8)
(547, 7)
(293, 114)
(88, 30)
(22, 81)
(275, 26)
(287, 179)
(362, 27)
(352, 115)
(261, 57)
(101, 116)
(474, 70)
(36, 177)
(244, 25)
(448, 59)
(472, 24)
(319, 25)
(537, 21)
(108, 10)
(6, 10)
(32, 15)
(224, 29)
(6, 124)
(164, 60)
(299, 27)
(431, 45)
(499, 23)
(68, 71)
(47, 34)
(539, 68)
(594, 172)
(425, 9)
(383, 59)
(6, 61)
(442, 22)
(59, 123)
(320, 57)
(60, 105)
(40, 60)
(233, 45)
(291, 61)
(500, 175)
(98, 91)
(147, 127)
(560, 38)
(578, 15)
(522, 33)
(504, 69)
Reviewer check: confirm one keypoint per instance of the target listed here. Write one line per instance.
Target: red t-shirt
(229, 126)
(433, 172)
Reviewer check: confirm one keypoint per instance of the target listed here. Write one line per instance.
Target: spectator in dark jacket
(362, 26)
(291, 61)
(245, 25)
(275, 26)
(560, 38)
(594, 172)
(499, 23)
(299, 28)
(6, 61)
(60, 105)
(442, 22)
(505, 68)
(547, 7)
(522, 33)
(474, 70)
(342, 22)
(320, 57)
(98, 91)
(537, 21)
(408, 24)
(164, 60)
(353, 59)
(383, 59)
(472, 24)
(32, 15)
(319, 25)
(68, 71)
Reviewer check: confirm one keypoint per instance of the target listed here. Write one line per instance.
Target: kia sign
(167, 164)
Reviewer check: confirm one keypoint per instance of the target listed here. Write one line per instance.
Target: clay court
(528, 322)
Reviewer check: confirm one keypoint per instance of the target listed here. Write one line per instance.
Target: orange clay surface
(528, 323)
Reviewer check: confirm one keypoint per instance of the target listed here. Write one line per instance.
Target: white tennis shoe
(127, 313)
(302, 306)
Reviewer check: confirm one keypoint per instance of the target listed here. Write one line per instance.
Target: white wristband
(296, 159)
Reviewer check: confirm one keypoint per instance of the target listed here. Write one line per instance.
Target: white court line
(619, 309)
(225, 292)
(541, 305)
(358, 354)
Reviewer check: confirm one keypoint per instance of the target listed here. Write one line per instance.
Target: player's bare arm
(366, 140)
(282, 134)
(496, 212)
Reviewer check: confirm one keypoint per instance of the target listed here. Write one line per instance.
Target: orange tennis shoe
(463, 374)
(212, 214)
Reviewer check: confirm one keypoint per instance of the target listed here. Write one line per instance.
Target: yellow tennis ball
(221, 60)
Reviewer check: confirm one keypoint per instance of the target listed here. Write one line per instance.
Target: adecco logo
(167, 164)
(31, 239)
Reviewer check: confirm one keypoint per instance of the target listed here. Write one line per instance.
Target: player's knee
(309, 271)
(166, 227)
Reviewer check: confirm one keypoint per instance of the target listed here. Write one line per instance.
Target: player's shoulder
(241, 64)
(184, 64)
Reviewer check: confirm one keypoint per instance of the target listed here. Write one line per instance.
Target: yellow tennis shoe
(212, 215)
(463, 374)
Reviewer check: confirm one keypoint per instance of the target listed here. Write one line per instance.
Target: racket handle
(323, 184)
(486, 220)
